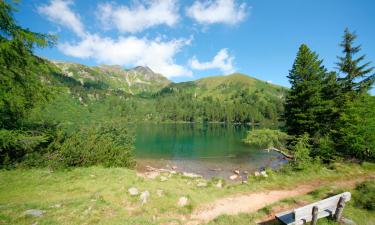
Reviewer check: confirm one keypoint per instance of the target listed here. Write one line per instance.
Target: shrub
(16, 145)
(109, 145)
(364, 195)
(302, 157)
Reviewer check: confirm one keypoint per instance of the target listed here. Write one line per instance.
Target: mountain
(100, 93)
(225, 86)
(133, 81)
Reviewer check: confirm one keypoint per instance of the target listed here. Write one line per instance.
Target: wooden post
(340, 209)
(314, 220)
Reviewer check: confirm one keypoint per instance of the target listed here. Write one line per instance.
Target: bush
(17, 145)
(364, 195)
(302, 157)
(109, 145)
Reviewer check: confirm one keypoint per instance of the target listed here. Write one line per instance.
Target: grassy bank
(98, 195)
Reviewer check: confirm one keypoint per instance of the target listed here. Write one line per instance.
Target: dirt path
(252, 202)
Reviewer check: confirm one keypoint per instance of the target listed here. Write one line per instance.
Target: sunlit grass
(98, 195)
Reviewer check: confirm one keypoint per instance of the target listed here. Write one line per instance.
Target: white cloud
(140, 16)
(222, 61)
(58, 11)
(217, 11)
(156, 54)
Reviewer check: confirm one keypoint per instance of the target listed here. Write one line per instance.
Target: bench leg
(314, 220)
(339, 209)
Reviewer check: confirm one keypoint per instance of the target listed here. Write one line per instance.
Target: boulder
(347, 221)
(133, 191)
(219, 184)
(163, 178)
(191, 175)
(233, 177)
(144, 197)
(182, 201)
(159, 192)
(33, 212)
(202, 184)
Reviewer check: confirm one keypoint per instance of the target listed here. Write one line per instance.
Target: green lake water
(207, 149)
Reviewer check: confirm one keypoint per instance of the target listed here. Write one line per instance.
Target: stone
(233, 177)
(182, 201)
(244, 179)
(264, 173)
(202, 184)
(245, 172)
(133, 191)
(55, 206)
(347, 221)
(144, 197)
(174, 167)
(256, 173)
(33, 212)
(219, 184)
(191, 175)
(163, 178)
(159, 192)
(236, 171)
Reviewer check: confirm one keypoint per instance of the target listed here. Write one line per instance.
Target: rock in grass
(233, 177)
(163, 178)
(159, 192)
(256, 173)
(202, 184)
(264, 173)
(133, 191)
(182, 201)
(33, 212)
(144, 197)
(191, 175)
(219, 184)
(347, 221)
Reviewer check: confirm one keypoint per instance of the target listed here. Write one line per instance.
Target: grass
(98, 195)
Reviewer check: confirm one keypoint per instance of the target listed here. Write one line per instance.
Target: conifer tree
(304, 101)
(357, 76)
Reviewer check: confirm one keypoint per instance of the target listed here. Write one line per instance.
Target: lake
(206, 149)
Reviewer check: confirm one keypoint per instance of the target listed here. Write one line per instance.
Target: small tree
(302, 157)
(268, 139)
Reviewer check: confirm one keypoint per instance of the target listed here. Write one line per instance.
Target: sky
(187, 40)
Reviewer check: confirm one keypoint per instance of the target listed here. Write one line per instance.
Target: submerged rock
(133, 191)
(236, 171)
(182, 201)
(144, 197)
(34, 212)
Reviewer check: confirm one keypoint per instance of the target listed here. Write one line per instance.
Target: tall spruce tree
(304, 101)
(357, 77)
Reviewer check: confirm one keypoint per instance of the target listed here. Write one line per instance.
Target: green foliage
(357, 78)
(364, 195)
(267, 138)
(17, 145)
(302, 158)
(356, 130)
(109, 145)
(20, 87)
(303, 103)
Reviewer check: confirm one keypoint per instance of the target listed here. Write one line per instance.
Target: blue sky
(187, 40)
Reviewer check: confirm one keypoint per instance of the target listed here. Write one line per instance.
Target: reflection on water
(207, 149)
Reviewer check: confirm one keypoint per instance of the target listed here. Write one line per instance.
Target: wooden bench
(332, 206)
